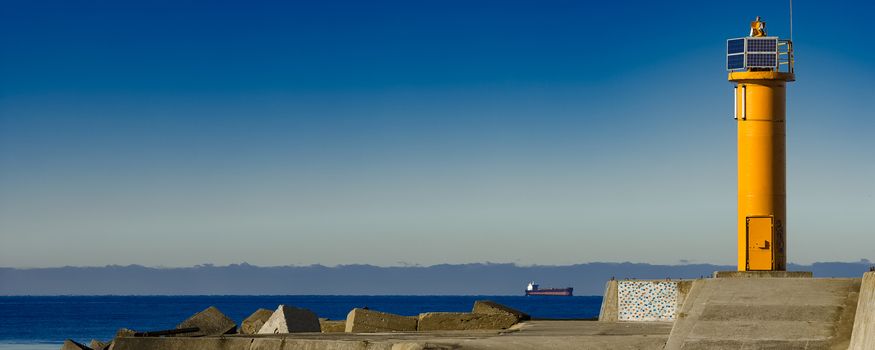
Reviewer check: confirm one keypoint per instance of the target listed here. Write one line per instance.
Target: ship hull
(558, 292)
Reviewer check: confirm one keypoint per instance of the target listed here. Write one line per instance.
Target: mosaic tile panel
(647, 300)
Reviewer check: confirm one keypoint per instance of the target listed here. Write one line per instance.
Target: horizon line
(486, 263)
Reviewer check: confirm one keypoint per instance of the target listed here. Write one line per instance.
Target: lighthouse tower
(760, 67)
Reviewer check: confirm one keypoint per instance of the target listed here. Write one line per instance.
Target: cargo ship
(534, 289)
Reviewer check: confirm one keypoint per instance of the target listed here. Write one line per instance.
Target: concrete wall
(863, 336)
(608, 312)
(643, 301)
(683, 290)
(766, 313)
(647, 300)
(248, 343)
(763, 274)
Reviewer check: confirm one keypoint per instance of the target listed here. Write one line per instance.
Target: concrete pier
(529, 335)
(863, 335)
(774, 313)
(731, 312)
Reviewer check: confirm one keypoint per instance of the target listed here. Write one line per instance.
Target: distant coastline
(444, 279)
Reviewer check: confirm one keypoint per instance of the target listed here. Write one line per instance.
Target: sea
(44, 322)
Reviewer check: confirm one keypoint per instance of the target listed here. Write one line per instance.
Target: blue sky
(175, 133)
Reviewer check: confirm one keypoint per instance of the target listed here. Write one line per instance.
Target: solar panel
(752, 52)
(734, 46)
(762, 60)
(734, 62)
(762, 45)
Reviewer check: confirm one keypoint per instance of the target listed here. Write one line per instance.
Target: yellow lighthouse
(760, 67)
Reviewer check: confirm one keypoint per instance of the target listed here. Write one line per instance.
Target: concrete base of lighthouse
(763, 274)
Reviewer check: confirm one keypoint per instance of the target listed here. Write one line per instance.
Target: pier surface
(526, 335)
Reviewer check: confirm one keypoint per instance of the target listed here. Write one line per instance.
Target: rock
(124, 332)
(99, 345)
(329, 326)
(287, 319)
(370, 321)
(254, 322)
(459, 321)
(72, 345)
(490, 307)
(211, 321)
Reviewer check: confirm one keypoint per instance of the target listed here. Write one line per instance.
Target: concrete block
(329, 326)
(647, 300)
(266, 343)
(683, 289)
(72, 345)
(413, 346)
(288, 319)
(211, 321)
(458, 321)
(490, 308)
(766, 313)
(125, 332)
(370, 321)
(610, 304)
(253, 323)
(753, 312)
(293, 343)
(704, 344)
(99, 345)
(183, 343)
(863, 334)
(763, 274)
(578, 335)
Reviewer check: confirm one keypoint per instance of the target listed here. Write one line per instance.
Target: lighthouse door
(760, 244)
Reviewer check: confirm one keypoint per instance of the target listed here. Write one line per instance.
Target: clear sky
(173, 133)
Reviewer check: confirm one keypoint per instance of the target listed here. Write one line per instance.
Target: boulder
(460, 321)
(72, 345)
(99, 345)
(287, 319)
(370, 321)
(211, 321)
(329, 326)
(490, 308)
(253, 323)
(125, 332)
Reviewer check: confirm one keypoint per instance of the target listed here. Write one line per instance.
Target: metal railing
(785, 56)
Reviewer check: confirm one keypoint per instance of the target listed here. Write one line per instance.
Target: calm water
(44, 322)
